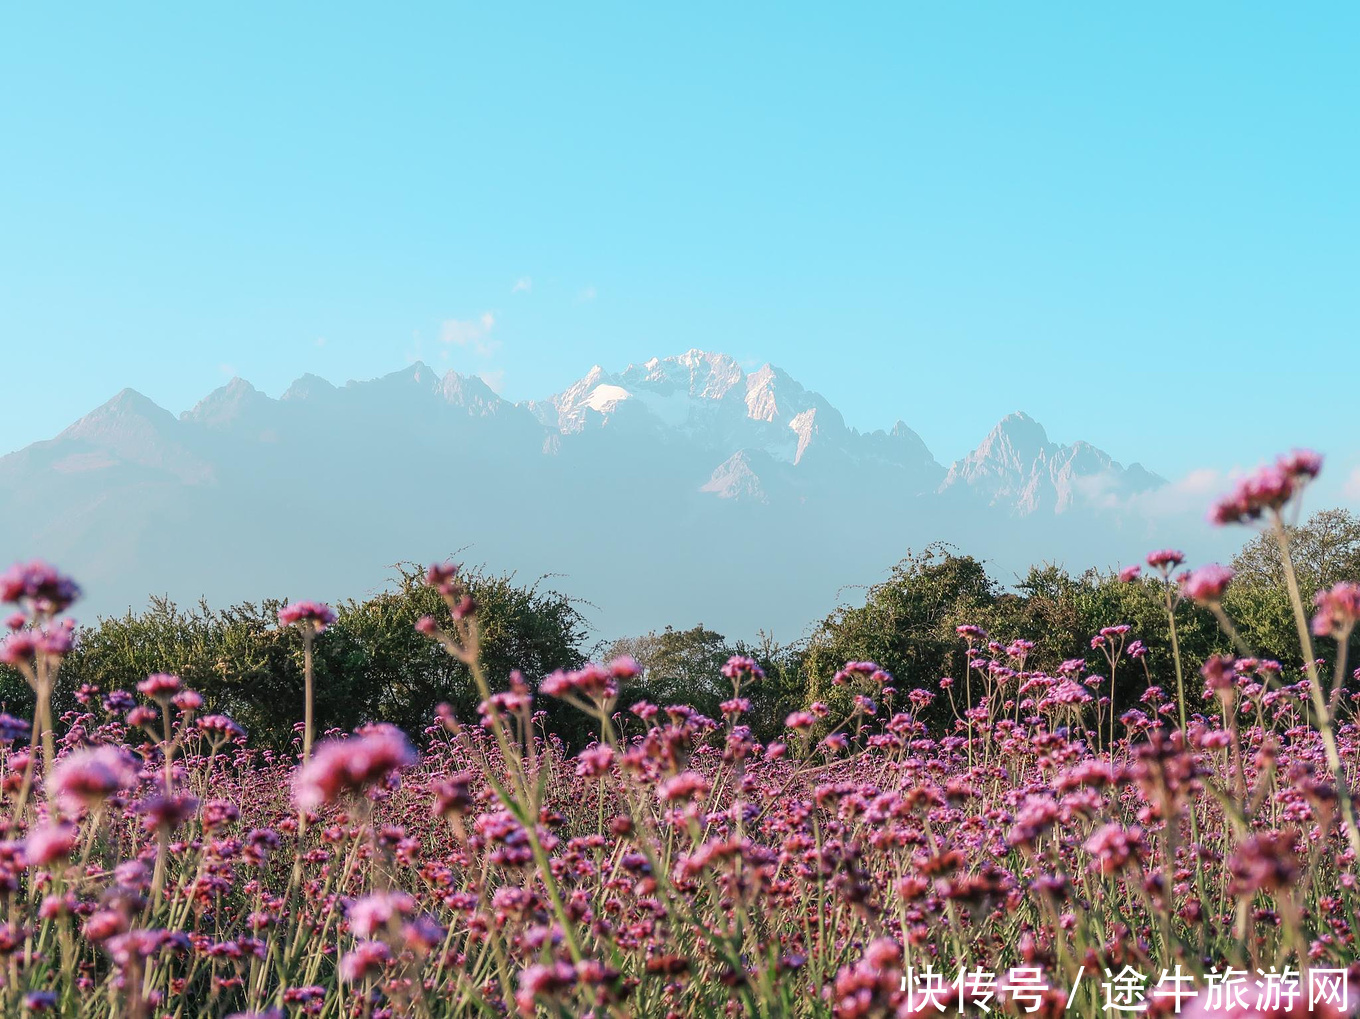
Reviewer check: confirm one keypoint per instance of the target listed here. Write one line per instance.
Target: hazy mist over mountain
(679, 490)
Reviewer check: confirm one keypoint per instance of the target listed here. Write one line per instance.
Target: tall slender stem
(1175, 650)
(43, 689)
(307, 634)
(1319, 698)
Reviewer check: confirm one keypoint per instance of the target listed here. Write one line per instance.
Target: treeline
(372, 664)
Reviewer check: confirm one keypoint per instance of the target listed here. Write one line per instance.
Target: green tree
(784, 688)
(678, 667)
(906, 625)
(371, 664)
(1325, 550)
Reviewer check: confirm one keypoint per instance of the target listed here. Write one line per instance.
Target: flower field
(1053, 853)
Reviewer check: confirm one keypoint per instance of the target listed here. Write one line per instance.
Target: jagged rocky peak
(565, 410)
(806, 427)
(1016, 441)
(226, 404)
(908, 439)
(1019, 467)
(737, 478)
(421, 374)
(128, 400)
(762, 434)
(901, 446)
(469, 392)
(411, 392)
(308, 387)
(1084, 456)
(709, 399)
(417, 374)
(136, 430)
(674, 392)
(775, 396)
(766, 389)
(724, 469)
(580, 390)
(127, 408)
(698, 373)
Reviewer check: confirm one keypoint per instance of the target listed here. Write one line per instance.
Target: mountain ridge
(688, 466)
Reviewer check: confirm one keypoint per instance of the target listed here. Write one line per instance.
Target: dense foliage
(372, 664)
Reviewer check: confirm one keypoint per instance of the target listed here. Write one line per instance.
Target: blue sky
(1138, 222)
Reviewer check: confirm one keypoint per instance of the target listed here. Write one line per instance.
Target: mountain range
(679, 490)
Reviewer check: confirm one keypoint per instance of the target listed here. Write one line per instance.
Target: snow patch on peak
(762, 393)
(773, 396)
(804, 425)
(606, 397)
(698, 374)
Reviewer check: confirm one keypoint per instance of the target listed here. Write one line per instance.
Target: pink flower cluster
(592, 682)
(39, 586)
(1206, 584)
(315, 614)
(1268, 488)
(1338, 610)
(346, 767)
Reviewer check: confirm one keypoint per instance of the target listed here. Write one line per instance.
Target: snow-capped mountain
(685, 392)
(1017, 468)
(650, 490)
(708, 400)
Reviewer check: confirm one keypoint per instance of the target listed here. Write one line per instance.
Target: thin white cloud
(522, 285)
(472, 334)
(588, 294)
(1189, 495)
